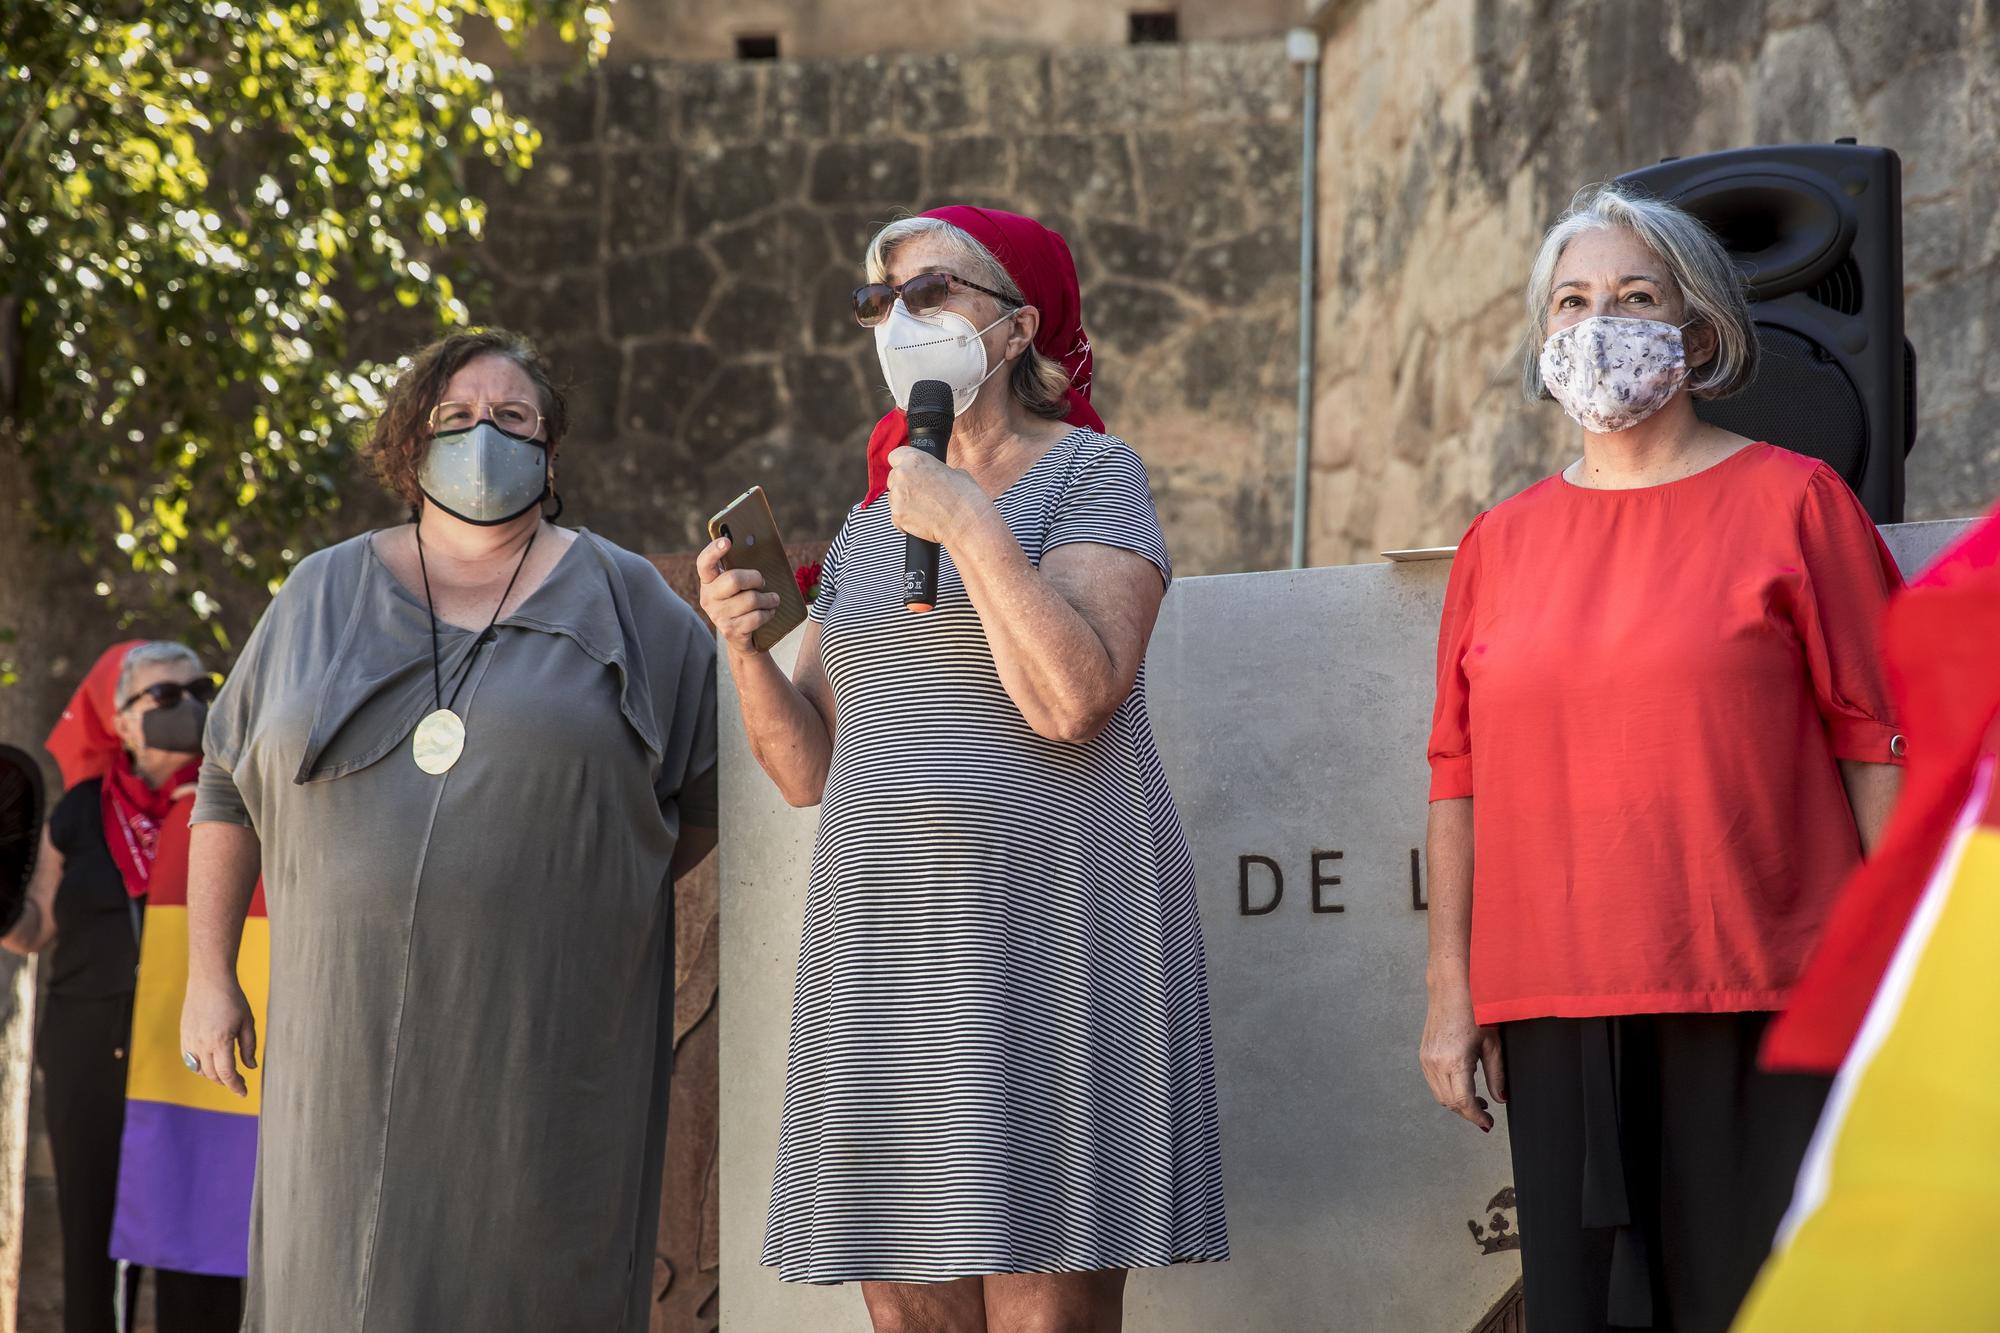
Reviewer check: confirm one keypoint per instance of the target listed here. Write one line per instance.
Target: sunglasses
(167, 693)
(924, 294)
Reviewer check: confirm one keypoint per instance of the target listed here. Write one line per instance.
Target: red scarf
(1039, 262)
(133, 816)
(83, 742)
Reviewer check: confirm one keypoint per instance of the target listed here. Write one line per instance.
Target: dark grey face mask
(177, 729)
(484, 475)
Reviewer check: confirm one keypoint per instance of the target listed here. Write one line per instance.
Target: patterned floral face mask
(1610, 373)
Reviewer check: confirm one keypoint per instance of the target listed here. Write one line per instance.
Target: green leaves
(187, 191)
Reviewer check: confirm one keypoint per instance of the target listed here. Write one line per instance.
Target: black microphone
(930, 417)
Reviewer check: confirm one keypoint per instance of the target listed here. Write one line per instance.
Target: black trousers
(82, 1051)
(1653, 1162)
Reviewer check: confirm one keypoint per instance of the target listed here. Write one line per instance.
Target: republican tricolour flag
(1898, 1202)
(190, 1150)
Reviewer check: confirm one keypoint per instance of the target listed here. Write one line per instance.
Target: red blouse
(1645, 691)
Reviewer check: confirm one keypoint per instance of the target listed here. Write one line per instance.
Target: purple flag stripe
(184, 1179)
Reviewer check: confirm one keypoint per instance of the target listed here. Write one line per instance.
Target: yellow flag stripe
(157, 1074)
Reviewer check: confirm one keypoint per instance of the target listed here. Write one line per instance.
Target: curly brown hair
(396, 447)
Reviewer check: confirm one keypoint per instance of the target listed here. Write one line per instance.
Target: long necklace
(440, 738)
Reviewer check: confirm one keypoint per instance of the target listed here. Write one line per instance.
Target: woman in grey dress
(468, 756)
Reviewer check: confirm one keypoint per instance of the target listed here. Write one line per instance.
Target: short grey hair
(156, 652)
(1038, 381)
(1710, 286)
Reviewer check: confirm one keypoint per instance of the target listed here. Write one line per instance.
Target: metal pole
(1302, 44)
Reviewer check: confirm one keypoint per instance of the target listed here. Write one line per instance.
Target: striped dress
(1000, 1049)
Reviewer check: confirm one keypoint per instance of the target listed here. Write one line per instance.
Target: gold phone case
(754, 544)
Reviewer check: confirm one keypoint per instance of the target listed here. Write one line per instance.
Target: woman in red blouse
(1662, 739)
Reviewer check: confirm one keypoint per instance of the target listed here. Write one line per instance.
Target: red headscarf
(1038, 260)
(85, 745)
(84, 742)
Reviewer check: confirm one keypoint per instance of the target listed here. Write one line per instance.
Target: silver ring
(188, 1059)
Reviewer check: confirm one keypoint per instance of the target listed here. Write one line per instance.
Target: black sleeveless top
(96, 953)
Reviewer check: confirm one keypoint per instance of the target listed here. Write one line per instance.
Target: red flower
(808, 577)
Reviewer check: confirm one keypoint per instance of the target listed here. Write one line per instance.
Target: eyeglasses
(167, 693)
(510, 414)
(922, 295)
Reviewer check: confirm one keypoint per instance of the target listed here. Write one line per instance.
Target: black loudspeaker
(1818, 231)
(20, 830)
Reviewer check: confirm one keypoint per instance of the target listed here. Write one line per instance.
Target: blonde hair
(1038, 381)
(1698, 266)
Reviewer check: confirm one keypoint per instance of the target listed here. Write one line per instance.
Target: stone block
(660, 293)
(1723, 32)
(1133, 251)
(1098, 89)
(561, 103)
(825, 397)
(788, 249)
(851, 229)
(1955, 468)
(1235, 272)
(1241, 81)
(641, 196)
(1190, 182)
(550, 306)
(1802, 93)
(1924, 113)
(519, 244)
(747, 318)
(741, 403)
(1133, 316)
(968, 167)
(1270, 163)
(716, 101)
(830, 301)
(799, 99)
(589, 370)
(638, 107)
(930, 94)
(1935, 240)
(1235, 363)
(724, 185)
(562, 180)
(1089, 174)
(661, 379)
(1013, 92)
(1884, 39)
(864, 96)
(1950, 323)
(888, 171)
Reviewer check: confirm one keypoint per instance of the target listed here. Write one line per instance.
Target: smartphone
(754, 544)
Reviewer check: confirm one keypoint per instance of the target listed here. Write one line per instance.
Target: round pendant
(439, 741)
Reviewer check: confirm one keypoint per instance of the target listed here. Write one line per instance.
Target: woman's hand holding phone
(736, 601)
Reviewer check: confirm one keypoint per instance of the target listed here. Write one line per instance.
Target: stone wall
(1455, 130)
(687, 243)
(707, 29)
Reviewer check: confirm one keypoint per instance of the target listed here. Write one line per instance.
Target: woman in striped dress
(1001, 1091)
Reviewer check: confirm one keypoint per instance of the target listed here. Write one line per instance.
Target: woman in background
(129, 747)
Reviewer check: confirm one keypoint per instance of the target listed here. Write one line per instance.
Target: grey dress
(470, 1021)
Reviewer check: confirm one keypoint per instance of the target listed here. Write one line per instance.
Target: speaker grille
(1841, 289)
(1801, 400)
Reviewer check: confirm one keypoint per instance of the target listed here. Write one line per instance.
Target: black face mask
(177, 729)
